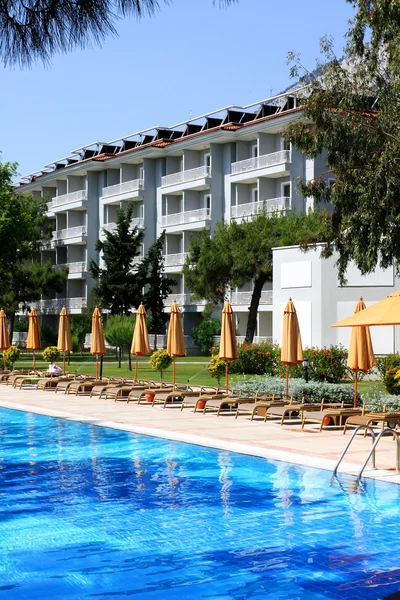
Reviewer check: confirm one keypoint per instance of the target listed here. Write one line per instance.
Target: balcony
(267, 165)
(192, 179)
(67, 201)
(72, 235)
(253, 208)
(182, 300)
(198, 216)
(74, 268)
(244, 298)
(137, 222)
(174, 260)
(54, 306)
(123, 191)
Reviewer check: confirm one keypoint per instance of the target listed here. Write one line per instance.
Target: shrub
(160, 360)
(76, 346)
(216, 368)
(12, 354)
(327, 364)
(313, 390)
(377, 399)
(385, 363)
(203, 334)
(51, 354)
(256, 359)
(21, 324)
(391, 381)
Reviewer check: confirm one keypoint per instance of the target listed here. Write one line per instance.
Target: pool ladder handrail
(375, 442)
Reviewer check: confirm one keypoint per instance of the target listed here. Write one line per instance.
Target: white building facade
(182, 179)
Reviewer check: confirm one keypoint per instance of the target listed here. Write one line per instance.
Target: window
(254, 151)
(141, 211)
(254, 195)
(141, 173)
(207, 160)
(207, 202)
(286, 145)
(286, 190)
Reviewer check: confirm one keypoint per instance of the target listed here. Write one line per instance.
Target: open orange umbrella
(140, 342)
(384, 312)
(227, 347)
(175, 341)
(292, 350)
(361, 355)
(33, 342)
(4, 339)
(64, 343)
(98, 346)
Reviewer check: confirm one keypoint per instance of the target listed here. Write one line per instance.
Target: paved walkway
(269, 440)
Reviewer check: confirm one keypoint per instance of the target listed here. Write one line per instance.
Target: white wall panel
(382, 337)
(380, 277)
(296, 274)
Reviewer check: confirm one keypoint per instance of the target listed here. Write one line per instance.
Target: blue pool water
(94, 513)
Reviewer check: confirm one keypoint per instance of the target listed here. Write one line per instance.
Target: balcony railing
(136, 222)
(252, 208)
(72, 232)
(189, 216)
(185, 176)
(261, 162)
(123, 188)
(73, 267)
(67, 199)
(244, 298)
(181, 300)
(173, 260)
(56, 304)
(257, 339)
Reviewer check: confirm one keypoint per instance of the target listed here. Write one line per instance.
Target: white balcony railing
(72, 232)
(123, 188)
(253, 208)
(136, 222)
(181, 300)
(257, 339)
(78, 196)
(261, 162)
(244, 298)
(173, 260)
(73, 267)
(189, 216)
(56, 304)
(185, 176)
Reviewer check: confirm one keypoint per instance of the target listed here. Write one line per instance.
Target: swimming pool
(95, 513)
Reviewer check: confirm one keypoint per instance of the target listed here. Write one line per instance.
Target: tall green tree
(23, 227)
(351, 117)
(119, 284)
(158, 286)
(239, 252)
(37, 29)
(118, 332)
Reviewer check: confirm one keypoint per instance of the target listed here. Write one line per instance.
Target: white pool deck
(270, 440)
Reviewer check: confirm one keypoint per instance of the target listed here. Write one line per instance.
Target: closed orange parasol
(361, 355)
(98, 346)
(227, 348)
(4, 339)
(33, 342)
(64, 343)
(175, 341)
(292, 350)
(140, 342)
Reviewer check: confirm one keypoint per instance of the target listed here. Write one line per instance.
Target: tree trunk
(11, 320)
(119, 357)
(253, 309)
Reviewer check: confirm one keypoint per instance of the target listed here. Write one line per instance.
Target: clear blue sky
(189, 59)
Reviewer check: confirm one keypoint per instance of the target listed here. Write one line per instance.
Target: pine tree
(119, 283)
(158, 286)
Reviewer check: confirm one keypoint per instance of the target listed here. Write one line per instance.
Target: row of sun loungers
(208, 399)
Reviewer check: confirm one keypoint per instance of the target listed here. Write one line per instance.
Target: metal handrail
(373, 434)
(376, 442)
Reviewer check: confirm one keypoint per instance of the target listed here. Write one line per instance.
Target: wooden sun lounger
(25, 381)
(170, 397)
(391, 419)
(82, 387)
(101, 388)
(258, 407)
(329, 416)
(121, 392)
(50, 383)
(231, 402)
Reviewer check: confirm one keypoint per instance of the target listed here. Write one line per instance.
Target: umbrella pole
(97, 366)
(287, 383)
(34, 361)
(355, 389)
(5, 361)
(64, 363)
(173, 371)
(227, 378)
(136, 368)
